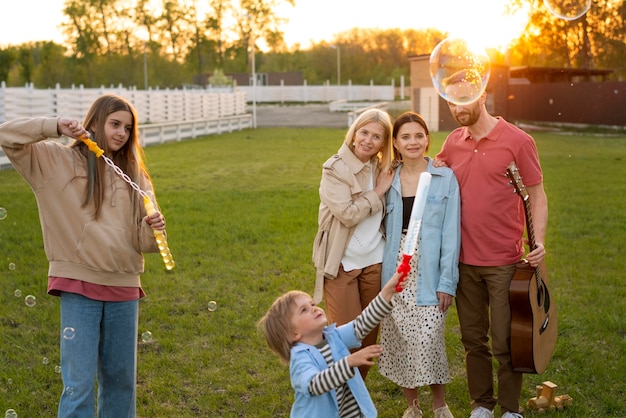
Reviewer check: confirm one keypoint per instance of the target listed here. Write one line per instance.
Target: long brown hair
(129, 158)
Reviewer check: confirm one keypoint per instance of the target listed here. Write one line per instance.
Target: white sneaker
(482, 412)
(512, 415)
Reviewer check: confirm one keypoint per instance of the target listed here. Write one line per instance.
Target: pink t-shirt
(56, 285)
(492, 214)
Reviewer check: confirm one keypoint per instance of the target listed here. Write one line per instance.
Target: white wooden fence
(155, 106)
(324, 93)
(164, 115)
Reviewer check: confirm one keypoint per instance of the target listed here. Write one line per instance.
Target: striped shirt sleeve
(371, 316)
(331, 378)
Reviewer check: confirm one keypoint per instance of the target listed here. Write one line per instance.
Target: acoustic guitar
(533, 312)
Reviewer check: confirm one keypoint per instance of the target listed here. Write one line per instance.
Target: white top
(366, 245)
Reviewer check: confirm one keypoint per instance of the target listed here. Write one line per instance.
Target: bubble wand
(159, 235)
(415, 223)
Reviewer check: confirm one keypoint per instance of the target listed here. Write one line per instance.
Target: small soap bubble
(146, 337)
(459, 71)
(568, 9)
(17, 293)
(69, 390)
(69, 333)
(212, 306)
(10, 381)
(57, 369)
(45, 360)
(10, 413)
(3, 214)
(30, 301)
(11, 266)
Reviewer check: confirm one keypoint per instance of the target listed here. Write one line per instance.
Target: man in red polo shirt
(492, 226)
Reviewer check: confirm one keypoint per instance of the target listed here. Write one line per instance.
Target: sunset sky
(309, 20)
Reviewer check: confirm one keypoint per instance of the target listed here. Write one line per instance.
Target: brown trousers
(348, 294)
(482, 300)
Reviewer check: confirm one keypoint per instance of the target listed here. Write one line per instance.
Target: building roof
(556, 75)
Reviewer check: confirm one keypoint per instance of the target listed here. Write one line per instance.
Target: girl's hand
(156, 221)
(71, 128)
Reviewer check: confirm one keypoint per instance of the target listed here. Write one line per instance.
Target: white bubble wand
(415, 224)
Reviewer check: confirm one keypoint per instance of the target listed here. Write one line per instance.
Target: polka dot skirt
(413, 340)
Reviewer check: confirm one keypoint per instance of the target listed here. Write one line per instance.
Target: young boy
(323, 373)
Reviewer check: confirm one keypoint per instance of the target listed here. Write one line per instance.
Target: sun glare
(497, 31)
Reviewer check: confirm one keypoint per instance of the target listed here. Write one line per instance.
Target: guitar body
(533, 312)
(533, 320)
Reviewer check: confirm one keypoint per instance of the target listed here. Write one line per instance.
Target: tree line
(115, 41)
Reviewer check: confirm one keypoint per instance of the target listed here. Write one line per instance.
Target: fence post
(3, 108)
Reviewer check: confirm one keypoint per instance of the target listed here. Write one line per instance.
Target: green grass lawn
(241, 211)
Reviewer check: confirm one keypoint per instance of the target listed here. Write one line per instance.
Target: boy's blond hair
(276, 324)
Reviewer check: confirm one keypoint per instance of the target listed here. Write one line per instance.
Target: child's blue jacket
(307, 361)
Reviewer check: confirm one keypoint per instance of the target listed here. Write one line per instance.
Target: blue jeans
(102, 347)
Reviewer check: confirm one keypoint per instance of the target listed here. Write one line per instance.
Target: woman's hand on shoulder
(383, 182)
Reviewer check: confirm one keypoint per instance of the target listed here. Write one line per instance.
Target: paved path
(309, 115)
(299, 116)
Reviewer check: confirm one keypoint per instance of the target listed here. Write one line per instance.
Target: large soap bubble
(568, 9)
(459, 72)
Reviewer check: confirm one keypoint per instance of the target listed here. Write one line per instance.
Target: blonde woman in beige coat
(349, 244)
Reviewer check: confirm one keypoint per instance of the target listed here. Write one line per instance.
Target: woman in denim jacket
(412, 337)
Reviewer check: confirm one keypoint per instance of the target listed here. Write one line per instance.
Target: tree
(51, 68)
(7, 57)
(595, 40)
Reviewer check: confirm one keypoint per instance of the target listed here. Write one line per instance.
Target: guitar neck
(529, 224)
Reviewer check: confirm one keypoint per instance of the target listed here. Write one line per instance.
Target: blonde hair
(386, 154)
(276, 324)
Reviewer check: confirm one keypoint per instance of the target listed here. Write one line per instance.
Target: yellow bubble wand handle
(164, 249)
(93, 147)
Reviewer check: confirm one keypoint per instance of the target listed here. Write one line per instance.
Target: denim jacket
(307, 361)
(439, 239)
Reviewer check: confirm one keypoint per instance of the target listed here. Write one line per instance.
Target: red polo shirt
(492, 214)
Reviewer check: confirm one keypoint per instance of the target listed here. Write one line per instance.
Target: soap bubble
(146, 337)
(17, 293)
(11, 266)
(3, 214)
(69, 333)
(568, 9)
(57, 369)
(10, 413)
(45, 360)
(212, 306)
(30, 301)
(459, 72)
